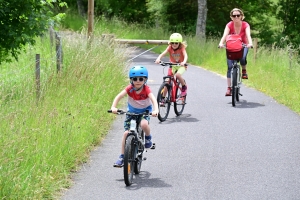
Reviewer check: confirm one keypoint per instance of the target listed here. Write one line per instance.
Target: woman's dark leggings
(243, 62)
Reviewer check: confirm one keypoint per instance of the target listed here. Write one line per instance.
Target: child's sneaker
(183, 90)
(148, 142)
(162, 102)
(120, 162)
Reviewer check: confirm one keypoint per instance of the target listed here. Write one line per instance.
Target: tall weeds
(43, 140)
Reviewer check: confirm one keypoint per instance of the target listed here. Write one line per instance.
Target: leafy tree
(289, 14)
(181, 16)
(21, 22)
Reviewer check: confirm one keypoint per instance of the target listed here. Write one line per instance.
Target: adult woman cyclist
(242, 28)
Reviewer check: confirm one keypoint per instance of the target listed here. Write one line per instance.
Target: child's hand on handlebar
(154, 113)
(157, 61)
(114, 110)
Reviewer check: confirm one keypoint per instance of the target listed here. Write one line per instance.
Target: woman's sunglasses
(174, 43)
(140, 79)
(235, 15)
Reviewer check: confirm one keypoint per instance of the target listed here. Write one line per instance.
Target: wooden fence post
(51, 33)
(255, 48)
(37, 75)
(58, 52)
(90, 19)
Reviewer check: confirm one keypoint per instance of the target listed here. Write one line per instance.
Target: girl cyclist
(140, 99)
(242, 28)
(178, 54)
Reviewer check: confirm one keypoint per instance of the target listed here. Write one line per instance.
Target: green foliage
(44, 140)
(128, 10)
(179, 16)
(270, 20)
(288, 13)
(20, 23)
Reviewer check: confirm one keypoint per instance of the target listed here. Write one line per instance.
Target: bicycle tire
(234, 86)
(139, 160)
(129, 160)
(164, 109)
(180, 101)
(237, 96)
(238, 87)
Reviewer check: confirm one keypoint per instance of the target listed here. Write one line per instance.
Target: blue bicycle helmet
(138, 71)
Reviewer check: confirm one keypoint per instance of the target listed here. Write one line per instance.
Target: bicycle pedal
(117, 166)
(144, 158)
(153, 146)
(240, 94)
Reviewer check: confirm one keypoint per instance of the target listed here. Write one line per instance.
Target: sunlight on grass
(45, 140)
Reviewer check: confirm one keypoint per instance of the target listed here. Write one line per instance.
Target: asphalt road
(212, 151)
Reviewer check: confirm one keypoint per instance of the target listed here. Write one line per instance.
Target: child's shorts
(178, 69)
(140, 117)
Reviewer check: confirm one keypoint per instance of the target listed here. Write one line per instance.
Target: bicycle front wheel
(139, 160)
(234, 90)
(238, 86)
(180, 101)
(163, 101)
(129, 160)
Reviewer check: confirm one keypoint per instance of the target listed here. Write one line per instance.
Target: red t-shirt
(176, 56)
(242, 33)
(139, 102)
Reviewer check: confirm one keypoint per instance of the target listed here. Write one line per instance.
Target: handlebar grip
(119, 111)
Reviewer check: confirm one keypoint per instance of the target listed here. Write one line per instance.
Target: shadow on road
(246, 104)
(143, 180)
(180, 118)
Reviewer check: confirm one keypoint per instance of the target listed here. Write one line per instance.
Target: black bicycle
(134, 147)
(236, 78)
(170, 92)
(236, 82)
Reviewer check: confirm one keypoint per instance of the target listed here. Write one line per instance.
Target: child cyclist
(140, 99)
(178, 54)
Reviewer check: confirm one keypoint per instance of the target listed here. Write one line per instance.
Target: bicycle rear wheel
(138, 162)
(129, 160)
(234, 90)
(180, 101)
(163, 101)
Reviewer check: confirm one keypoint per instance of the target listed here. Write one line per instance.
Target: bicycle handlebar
(170, 63)
(120, 112)
(244, 45)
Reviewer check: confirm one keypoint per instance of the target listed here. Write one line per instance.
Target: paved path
(212, 151)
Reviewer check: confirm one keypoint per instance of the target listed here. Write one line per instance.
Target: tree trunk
(201, 19)
(80, 6)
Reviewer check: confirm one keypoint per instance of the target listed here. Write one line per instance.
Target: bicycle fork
(238, 80)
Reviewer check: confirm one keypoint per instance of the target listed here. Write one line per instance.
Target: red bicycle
(170, 92)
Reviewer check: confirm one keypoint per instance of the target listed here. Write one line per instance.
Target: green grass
(43, 141)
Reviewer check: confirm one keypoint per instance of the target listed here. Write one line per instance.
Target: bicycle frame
(136, 130)
(172, 80)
